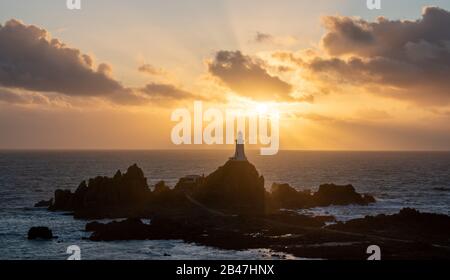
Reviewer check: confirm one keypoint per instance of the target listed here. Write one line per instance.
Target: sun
(262, 108)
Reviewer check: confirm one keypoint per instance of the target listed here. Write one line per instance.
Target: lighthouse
(239, 154)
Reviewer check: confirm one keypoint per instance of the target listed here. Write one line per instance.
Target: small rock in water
(40, 233)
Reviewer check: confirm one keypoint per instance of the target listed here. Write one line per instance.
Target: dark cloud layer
(412, 58)
(11, 97)
(24, 98)
(387, 38)
(248, 77)
(165, 91)
(30, 60)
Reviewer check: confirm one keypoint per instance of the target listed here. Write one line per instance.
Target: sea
(419, 180)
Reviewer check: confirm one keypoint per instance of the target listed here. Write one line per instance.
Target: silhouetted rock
(194, 228)
(236, 193)
(40, 233)
(289, 232)
(235, 188)
(123, 195)
(93, 226)
(160, 228)
(44, 203)
(161, 187)
(407, 224)
(130, 229)
(63, 201)
(189, 183)
(295, 219)
(285, 196)
(331, 194)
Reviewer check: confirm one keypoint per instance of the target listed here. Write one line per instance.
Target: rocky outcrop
(161, 188)
(240, 221)
(124, 195)
(289, 232)
(64, 200)
(189, 183)
(331, 194)
(285, 196)
(93, 226)
(407, 224)
(134, 229)
(235, 188)
(130, 229)
(43, 233)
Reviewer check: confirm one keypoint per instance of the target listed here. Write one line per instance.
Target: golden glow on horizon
(317, 114)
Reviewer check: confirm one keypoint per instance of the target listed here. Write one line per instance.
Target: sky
(110, 75)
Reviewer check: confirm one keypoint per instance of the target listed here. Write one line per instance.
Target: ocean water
(397, 179)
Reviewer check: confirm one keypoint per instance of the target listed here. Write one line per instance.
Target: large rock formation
(285, 196)
(123, 195)
(235, 188)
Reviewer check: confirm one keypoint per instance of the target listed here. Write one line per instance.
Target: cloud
(31, 60)
(265, 38)
(11, 97)
(151, 70)
(157, 91)
(403, 59)
(387, 38)
(248, 77)
(346, 33)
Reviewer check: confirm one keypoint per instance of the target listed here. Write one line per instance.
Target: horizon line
(197, 150)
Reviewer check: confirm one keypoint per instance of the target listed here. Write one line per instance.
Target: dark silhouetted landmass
(409, 223)
(230, 209)
(295, 234)
(120, 196)
(235, 187)
(285, 196)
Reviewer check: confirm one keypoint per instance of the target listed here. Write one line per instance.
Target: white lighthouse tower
(239, 154)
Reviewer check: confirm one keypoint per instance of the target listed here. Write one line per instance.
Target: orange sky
(340, 82)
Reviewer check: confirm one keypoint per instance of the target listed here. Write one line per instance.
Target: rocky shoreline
(300, 236)
(230, 209)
